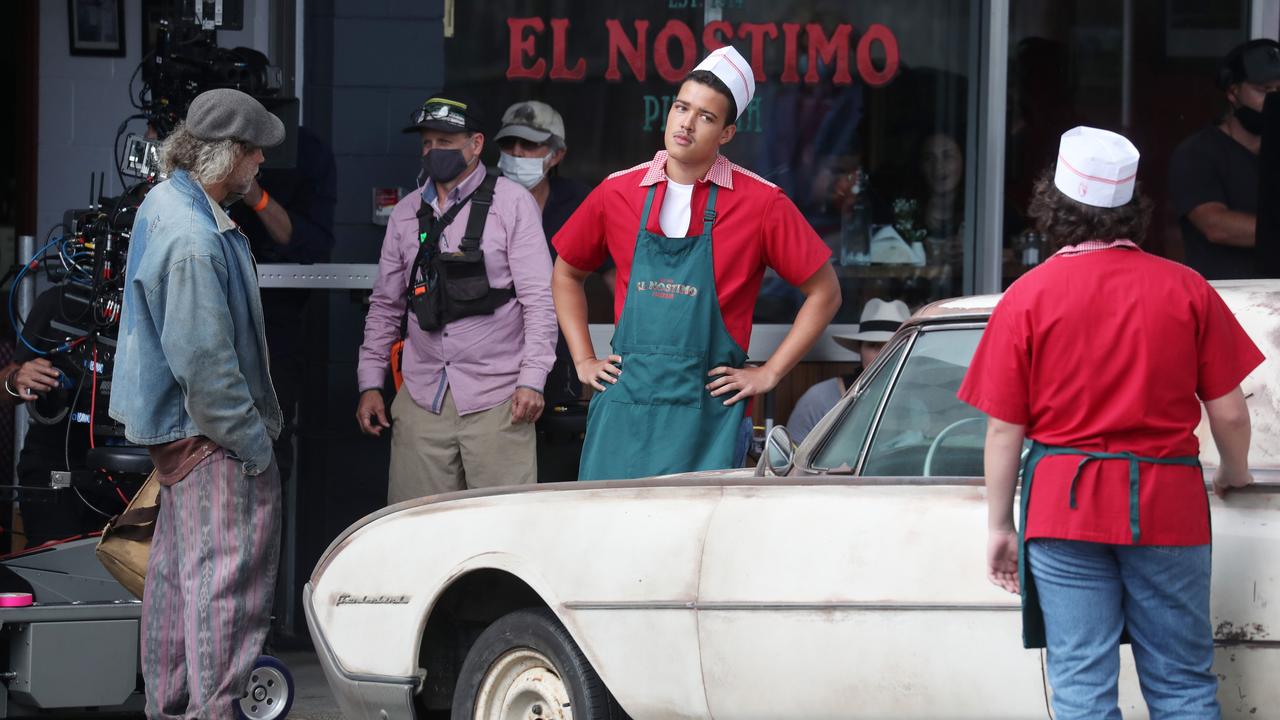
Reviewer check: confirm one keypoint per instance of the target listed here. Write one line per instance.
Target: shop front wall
(862, 115)
(866, 115)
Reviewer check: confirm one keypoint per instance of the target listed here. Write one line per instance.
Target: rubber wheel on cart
(525, 665)
(270, 691)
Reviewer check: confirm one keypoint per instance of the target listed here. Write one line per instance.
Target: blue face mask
(443, 165)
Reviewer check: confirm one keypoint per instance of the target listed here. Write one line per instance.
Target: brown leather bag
(125, 545)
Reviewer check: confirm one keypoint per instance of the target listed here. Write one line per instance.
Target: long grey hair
(209, 161)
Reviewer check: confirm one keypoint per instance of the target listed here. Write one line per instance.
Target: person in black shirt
(1213, 175)
(532, 145)
(57, 438)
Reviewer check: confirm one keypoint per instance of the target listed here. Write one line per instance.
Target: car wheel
(270, 691)
(525, 666)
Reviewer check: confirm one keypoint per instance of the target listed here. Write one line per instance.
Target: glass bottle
(855, 226)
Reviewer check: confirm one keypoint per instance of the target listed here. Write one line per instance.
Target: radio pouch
(444, 287)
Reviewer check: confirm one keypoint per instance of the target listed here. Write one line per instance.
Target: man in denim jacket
(191, 384)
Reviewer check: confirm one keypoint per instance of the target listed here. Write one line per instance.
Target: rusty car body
(848, 585)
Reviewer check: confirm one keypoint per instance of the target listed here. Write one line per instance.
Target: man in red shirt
(691, 234)
(1102, 357)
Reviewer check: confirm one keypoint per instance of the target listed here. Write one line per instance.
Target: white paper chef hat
(734, 71)
(1096, 167)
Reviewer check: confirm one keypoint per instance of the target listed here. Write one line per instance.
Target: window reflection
(1147, 74)
(925, 429)
(876, 164)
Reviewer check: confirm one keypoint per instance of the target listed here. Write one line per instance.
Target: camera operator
(56, 443)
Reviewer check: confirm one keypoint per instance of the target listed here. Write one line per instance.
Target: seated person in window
(934, 211)
(880, 320)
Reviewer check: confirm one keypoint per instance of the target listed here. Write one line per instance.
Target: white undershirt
(674, 216)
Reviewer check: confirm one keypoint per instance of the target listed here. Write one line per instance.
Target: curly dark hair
(1064, 221)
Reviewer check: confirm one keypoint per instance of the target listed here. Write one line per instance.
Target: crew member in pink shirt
(475, 358)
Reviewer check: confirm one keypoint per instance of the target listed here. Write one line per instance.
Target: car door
(925, 430)
(832, 596)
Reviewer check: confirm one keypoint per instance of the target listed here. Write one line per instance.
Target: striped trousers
(206, 606)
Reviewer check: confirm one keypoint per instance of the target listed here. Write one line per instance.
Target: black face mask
(443, 165)
(1250, 119)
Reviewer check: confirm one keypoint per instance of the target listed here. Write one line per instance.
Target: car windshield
(925, 430)
(844, 442)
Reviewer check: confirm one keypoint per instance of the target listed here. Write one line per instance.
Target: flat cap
(225, 113)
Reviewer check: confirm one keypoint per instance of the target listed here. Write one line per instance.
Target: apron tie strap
(1135, 527)
(1134, 461)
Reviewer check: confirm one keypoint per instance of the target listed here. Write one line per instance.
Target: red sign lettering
(522, 45)
(756, 32)
(662, 51)
(633, 53)
(719, 28)
(821, 48)
(790, 31)
(837, 49)
(559, 29)
(883, 35)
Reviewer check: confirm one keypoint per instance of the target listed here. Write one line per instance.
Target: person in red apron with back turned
(691, 234)
(1102, 357)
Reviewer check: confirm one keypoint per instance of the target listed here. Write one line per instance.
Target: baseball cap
(1255, 61)
(447, 113)
(533, 121)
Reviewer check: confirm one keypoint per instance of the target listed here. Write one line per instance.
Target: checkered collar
(721, 172)
(1089, 246)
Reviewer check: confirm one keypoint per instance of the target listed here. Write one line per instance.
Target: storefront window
(1143, 68)
(862, 115)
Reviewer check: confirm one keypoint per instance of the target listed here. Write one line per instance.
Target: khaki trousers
(433, 454)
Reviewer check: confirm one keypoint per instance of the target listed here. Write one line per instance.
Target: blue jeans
(1090, 592)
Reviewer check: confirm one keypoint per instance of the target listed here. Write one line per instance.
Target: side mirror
(779, 453)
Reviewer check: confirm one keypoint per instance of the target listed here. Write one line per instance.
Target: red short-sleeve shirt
(1111, 350)
(756, 227)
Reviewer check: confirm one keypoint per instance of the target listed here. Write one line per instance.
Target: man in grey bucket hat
(191, 385)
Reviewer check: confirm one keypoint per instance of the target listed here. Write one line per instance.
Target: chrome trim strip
(791, 606)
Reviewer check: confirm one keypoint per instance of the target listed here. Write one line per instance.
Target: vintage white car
(844, 581)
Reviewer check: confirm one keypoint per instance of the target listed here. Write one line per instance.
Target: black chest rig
(444, 287)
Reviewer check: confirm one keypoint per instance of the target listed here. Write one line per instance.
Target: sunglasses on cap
(439, 109)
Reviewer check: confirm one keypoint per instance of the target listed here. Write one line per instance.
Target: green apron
(659, 417)
(1032, 618)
